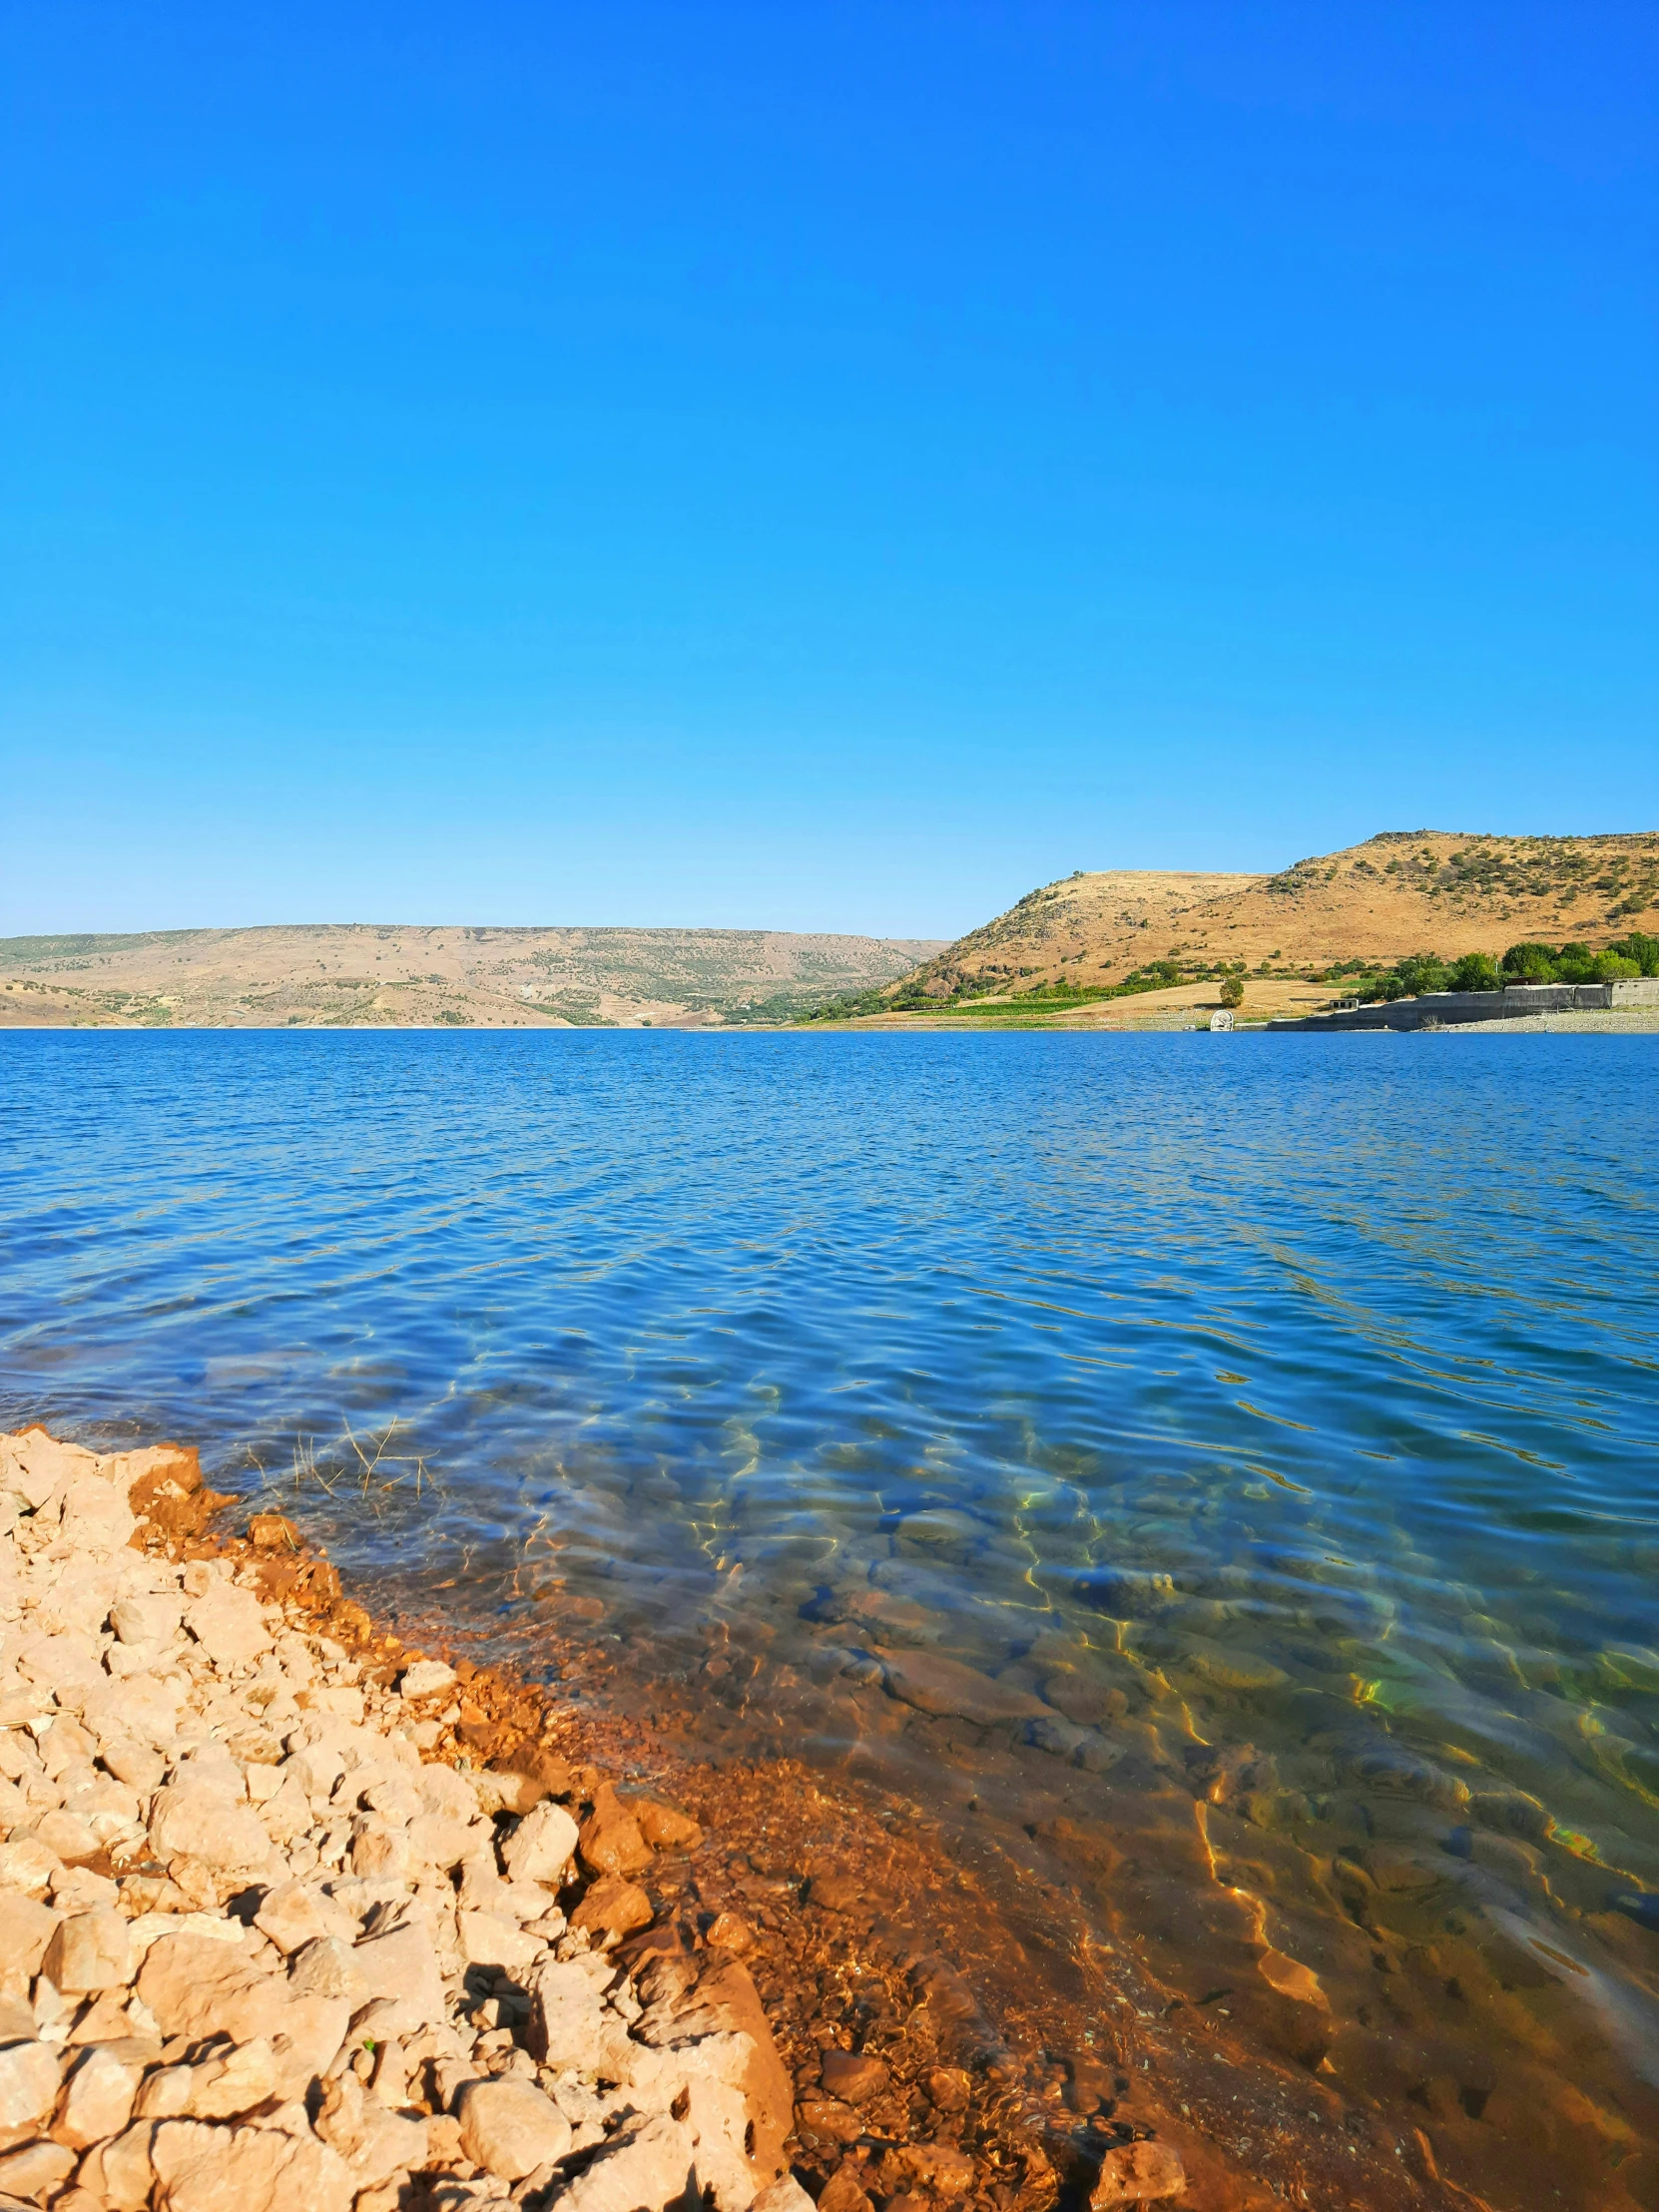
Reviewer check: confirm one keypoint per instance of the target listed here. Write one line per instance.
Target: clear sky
(817, 463)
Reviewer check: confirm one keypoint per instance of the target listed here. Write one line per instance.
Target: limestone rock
(1138, 2173)
(202, 2168)
(294, 1915)
(29, 2077)
(26, 1929)
(402, 1965)
(144, 1620)
(97, 2099)
(426, 1677)
(542, 1845)
(327, 1967)
(783, 2195)
(34, 2171)
(489, 1940)
(120, 2171)
(90, 1951)
(510, 2127)
(230, 1625)
(195, 1820)
(570, 2027)
(651, 2162)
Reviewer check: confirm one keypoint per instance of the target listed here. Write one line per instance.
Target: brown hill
(1403, 891)
(369, 976)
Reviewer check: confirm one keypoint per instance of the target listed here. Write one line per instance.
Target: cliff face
(1400, 892)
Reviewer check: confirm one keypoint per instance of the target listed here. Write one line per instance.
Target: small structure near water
(1449, 1009)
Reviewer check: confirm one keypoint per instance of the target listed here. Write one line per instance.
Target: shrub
(1614, 967)
(1530, 963)
(1644, 950)
(1232, 992)
(1476, 972)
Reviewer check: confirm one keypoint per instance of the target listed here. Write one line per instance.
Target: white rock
(202, 2168)
(90, 1951)
(29, 2077)
(96, 2098)
(230, 1625)
(195, 1820)
(541, 1847)
(510, 2128)
(426, 1678)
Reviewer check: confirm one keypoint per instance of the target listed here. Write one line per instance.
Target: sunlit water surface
(1276, 1417)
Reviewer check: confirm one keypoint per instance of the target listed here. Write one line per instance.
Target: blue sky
(821, 465)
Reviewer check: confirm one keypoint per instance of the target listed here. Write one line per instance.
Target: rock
(489, 1941)
(663, 1826)
(97, 2099)
(402, 1966)
(230, 1625)
(852, 2076)
(828, 2119)
(934, 1684)
(610, 1841)
(730, 1932)
(613, 1907)
(90, 1951)
(510, 2127)
(505, 1790)
(70, 1838)
(272, 1532)
(440, 1840)
(651, 2162)
(426, 1677)
(233, 2082)
(540, 1848)
(28, 1865)
(845, 2190)
(95, 1519)
(571, 2028)
(293, 1917)
(144, 1620)
(786, 2195)
(327, 1967)
(32, 2173)
(29, 2077)
(949, 2088)
(202, 2168)
(375, 2142)
(120, 2171)
(940, 2167)
(1138, 2173)
(684, 2005)
(198, 1986)
(25, 1930)
(194, 1819)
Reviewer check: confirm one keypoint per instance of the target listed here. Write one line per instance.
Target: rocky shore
(293, 1916)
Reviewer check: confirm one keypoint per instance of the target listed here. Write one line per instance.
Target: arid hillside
(369, 976)
(1403, 891)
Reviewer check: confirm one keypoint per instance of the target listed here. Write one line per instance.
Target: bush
(1476, 972)
(1644, 950)
(1614, 967)
(1530, 963)
(1232, 992)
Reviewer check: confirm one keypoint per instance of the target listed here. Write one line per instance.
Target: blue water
(1304, 1391)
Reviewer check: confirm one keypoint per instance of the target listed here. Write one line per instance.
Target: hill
(364, 975)
(1399, 893)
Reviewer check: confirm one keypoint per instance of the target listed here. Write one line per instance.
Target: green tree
(1476, 972)
(1614, 967)
(1232, 992)
(1530, 963)
(1644, 950)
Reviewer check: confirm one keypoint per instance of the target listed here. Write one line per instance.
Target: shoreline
(839, 1905)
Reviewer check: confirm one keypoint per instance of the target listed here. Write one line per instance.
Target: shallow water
(1274, 1420)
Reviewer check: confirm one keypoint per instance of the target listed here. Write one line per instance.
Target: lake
(1247, 1448)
